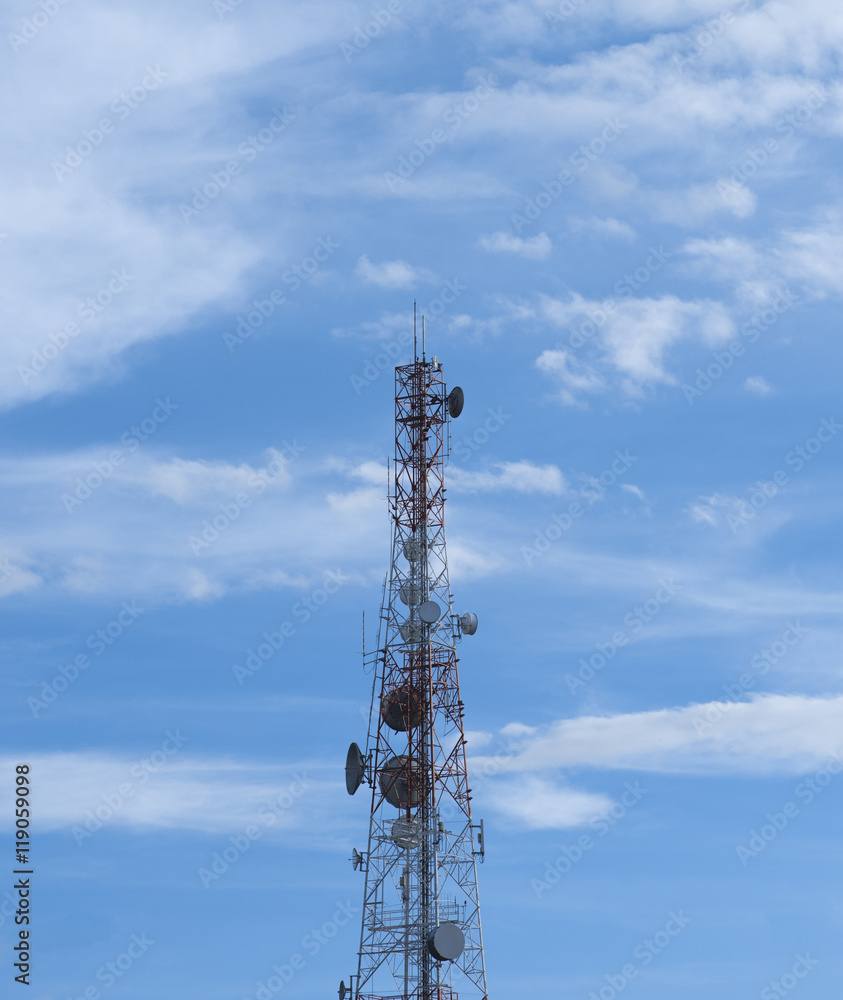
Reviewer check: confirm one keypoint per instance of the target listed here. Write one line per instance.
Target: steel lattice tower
(420, 937)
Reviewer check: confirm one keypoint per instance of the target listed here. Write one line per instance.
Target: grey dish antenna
(411, 631)
(446, 943)
(400, 782)
(355, 769)
(413, 550)
(456, 401)
(410, 593)
(430, 612)
(402, 708)
(468, 623)
(357, 859)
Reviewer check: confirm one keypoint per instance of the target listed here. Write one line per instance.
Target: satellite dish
(342, 991)
(468, 623)
(413, 549)
(430, 612)
(401, 708)
(410, 593)
(446, 943)
(411, 631)
(400, 783)
(456, 401)
(406, 833)
(355, 769)
(356, 859)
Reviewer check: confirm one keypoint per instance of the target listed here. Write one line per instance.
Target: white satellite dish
(410, 593)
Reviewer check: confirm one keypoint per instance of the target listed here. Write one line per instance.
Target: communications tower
(420, 937)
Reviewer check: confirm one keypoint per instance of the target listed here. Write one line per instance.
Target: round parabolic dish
(413, 549)
(411, 631)
(446, 943)
(355, 767)
(395, 784)
(456, 401)
(410, 593)
(430, 612)
(401, 708)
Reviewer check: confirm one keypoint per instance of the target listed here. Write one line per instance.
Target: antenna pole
(424, 350)
(415, 340)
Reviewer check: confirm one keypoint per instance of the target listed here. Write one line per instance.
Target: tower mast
(420, 936)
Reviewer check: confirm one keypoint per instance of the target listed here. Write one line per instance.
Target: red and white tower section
(420, 937)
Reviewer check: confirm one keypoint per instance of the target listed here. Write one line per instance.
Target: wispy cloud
(540, 804)
(523, 477)
(766, 734)
(537, 247)
(392, 273)
(176, 790)
(632, 338)
(758, 385)
(609, 228)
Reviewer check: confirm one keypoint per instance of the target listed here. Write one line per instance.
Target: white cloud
(709, 510)
(477, 739)
(634, 336)
(199, 588)
(758, 385)
(117, 208)
(693, 205)
(538, 804)
(809, 260)
(609, 228)
(372, 473)
(634, 490)
(468, 561)
(391, 273)
(517, 730)
(523, 477)
(537, 247)
(573, 376)
(397, 327)
(767, 734)
(208, 526)
(193, 481)
(16, 575)
(173, 789)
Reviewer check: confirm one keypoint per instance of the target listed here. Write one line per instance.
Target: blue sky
(625, 228)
